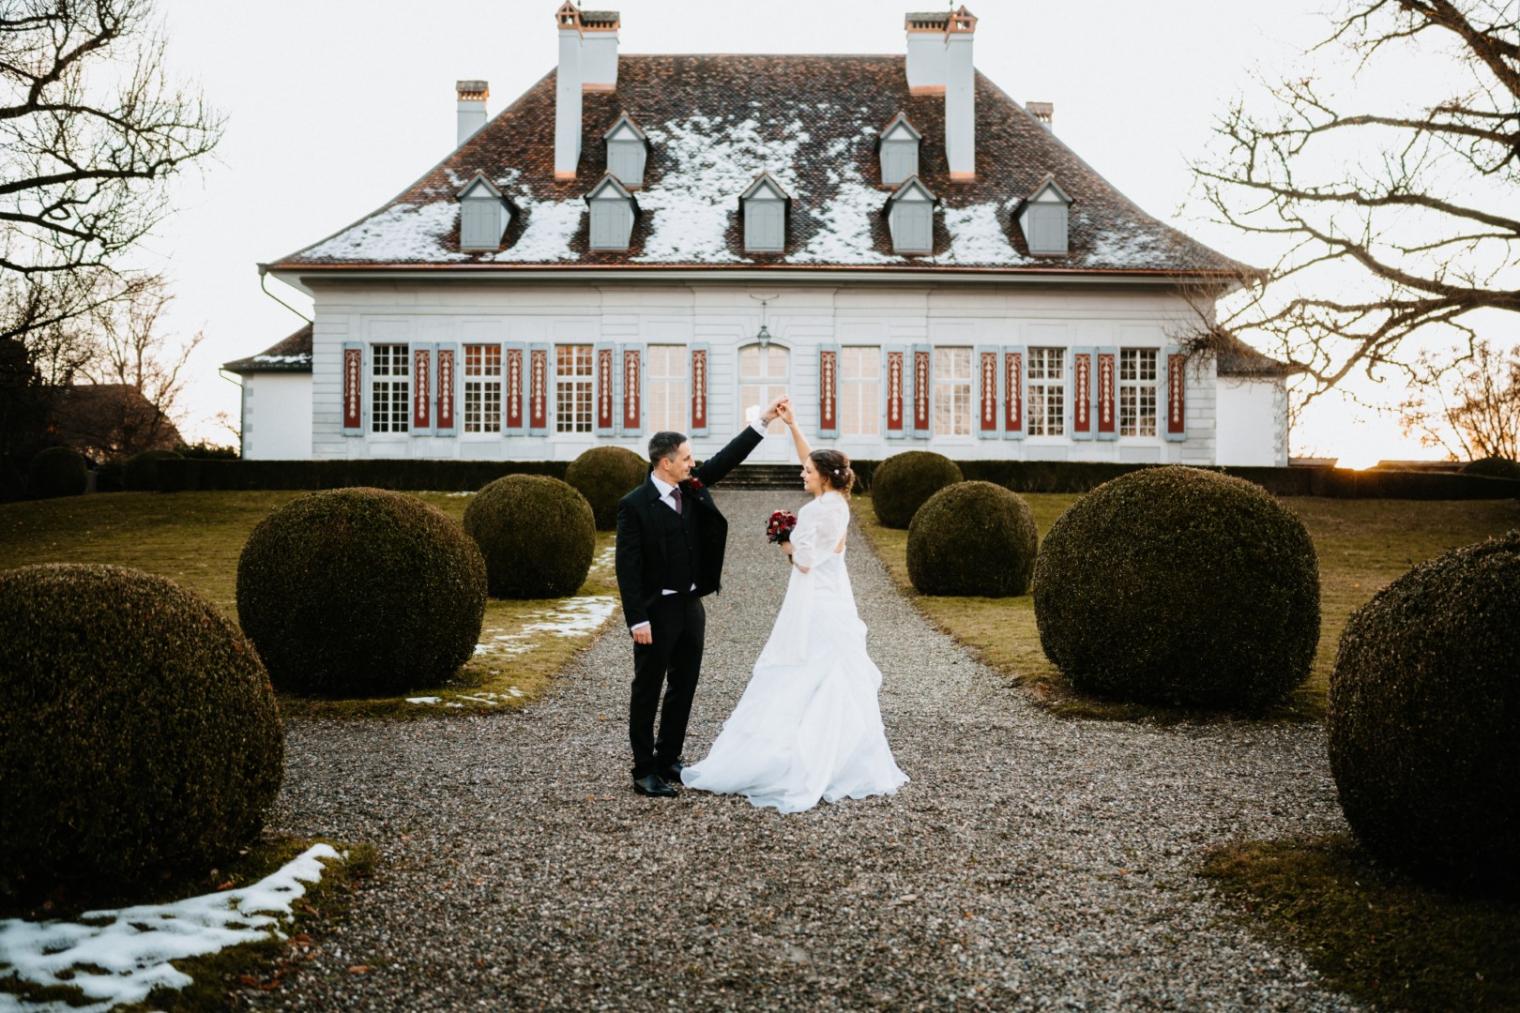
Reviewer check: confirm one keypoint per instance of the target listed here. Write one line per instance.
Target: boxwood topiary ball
(972, 538)
(138, 730)
(605, 475)
(1181, 587)
(904, 482)
(1493, 467)
(1424, 702)
(360, 592)
(142, 469)
(537, 535)
(58, 471)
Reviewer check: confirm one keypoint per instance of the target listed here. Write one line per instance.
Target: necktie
(676, 495)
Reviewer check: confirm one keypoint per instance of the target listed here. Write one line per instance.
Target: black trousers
(678, 623)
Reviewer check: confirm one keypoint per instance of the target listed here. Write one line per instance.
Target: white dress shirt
(667, 497)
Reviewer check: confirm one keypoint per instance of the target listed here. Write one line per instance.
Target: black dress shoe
(654, 785)
(672, 773)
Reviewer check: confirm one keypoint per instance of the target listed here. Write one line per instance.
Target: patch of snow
(132, 946)
(431, 699)
(844, 235)
(552, 226)
(1127, 249)
(977, 236)
(572, 617)
(304, 359)
(402, 232)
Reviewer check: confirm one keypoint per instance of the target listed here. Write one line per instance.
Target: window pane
(669, 404)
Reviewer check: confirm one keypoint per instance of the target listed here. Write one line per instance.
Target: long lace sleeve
(819, 529)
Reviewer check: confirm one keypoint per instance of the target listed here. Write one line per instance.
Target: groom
(670, 541)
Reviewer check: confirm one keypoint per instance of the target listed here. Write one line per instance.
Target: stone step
(763, 476)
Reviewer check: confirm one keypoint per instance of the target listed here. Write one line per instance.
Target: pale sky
(334, 106)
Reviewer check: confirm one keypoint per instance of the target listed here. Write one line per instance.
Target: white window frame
(1045, 404)
(953, 378)
(667, 397)
(390, 387)
(482, 388)
(1139, 392)
(574, 389)
(859, 400)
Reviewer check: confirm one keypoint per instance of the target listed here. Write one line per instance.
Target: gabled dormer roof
(899, 127)
(911, 188)
(765, 186)
(480, 186)
(1048, 183)
(625, 128)
(610, 182)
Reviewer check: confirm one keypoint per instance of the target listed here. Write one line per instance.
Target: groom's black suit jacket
(643, 571)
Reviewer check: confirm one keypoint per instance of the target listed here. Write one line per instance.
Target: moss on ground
(195, 538)
(1362, 546)
(1371, 931)
(259, 966)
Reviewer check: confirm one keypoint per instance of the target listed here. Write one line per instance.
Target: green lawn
(195, 538)
(1362, 545)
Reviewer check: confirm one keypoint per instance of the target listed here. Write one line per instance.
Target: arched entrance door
(764, 374)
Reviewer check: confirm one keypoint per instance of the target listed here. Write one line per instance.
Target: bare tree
(91, 129)
(132, 351)
(1467, 404)
(1395, 218)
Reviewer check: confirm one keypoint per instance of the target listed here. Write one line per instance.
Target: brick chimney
(472, 107)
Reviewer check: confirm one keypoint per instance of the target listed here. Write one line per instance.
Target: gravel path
(1031, 863)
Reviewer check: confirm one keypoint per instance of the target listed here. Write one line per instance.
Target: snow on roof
(291, 354)
(713, 124)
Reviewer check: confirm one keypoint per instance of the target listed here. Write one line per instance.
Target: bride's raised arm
(790, 418)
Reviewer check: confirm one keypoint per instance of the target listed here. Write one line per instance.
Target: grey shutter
(480, 225)
(912, 226)
(1047, 227)
(927, 432)
(611, 224)
(899, 160)
(625, 160)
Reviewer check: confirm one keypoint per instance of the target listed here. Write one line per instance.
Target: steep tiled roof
(1240, 360)
(289, 355)
(714, 123)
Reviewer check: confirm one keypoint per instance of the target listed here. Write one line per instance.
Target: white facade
(1252, 422)
(277, 416)
(664, 322)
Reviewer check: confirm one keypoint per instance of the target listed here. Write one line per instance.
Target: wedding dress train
(808, 725)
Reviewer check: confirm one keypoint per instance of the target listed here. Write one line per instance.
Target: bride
(808, 725)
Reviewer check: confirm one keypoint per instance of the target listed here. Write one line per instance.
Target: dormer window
(898, 146)
(627, 151)
(910, 217)
(612, 212)
(764, 206)
(484, 215)
(1043, 218)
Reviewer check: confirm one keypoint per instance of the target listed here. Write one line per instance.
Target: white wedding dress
(808, 726)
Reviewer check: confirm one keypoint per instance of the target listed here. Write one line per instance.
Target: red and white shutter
(1176, 394)
(353, 388)
(1013, 392)
(1108, 382)
(606, 390)
(701, 359)
(538, 390)
(895, 370)
(828, 391)
(922, 420)
(987, 392)
(514, 395)
(1082, 393)
(448, 379)
(422, 389)
(632, 416)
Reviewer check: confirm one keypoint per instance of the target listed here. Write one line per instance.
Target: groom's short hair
(663, 445)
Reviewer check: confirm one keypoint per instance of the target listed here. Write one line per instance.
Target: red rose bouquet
(779, 527)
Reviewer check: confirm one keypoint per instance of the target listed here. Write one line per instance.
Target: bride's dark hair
(835, 469)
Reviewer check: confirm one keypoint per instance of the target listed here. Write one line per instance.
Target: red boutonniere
(692, 484)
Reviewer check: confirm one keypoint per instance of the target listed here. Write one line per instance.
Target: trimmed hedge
(972, 538)
(138, 731)
(1423, 706)
(111, 476)
(192, 475)
(904, 482)
(537, 534)
(58, 471)
(1180, 587)
(142, 469)
(605, 475)
(360, 592)
(1493, 467)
